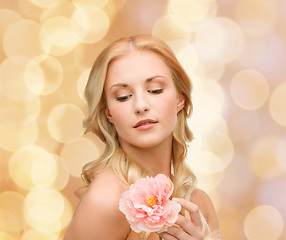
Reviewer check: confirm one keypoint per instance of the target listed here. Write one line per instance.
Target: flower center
(151, 201)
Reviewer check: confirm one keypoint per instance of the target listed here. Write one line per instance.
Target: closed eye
(123, 98)
(156, 91)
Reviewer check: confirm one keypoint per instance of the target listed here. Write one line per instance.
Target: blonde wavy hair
(129, 171)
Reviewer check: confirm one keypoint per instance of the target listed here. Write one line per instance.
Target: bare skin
(139, 87)
(98, 215)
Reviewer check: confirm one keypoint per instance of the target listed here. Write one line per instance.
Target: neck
(156, 159)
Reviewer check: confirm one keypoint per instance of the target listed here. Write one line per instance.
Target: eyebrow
(124, 85)
(119, 85)
(151, 78)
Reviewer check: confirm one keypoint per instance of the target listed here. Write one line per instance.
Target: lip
(144, 124)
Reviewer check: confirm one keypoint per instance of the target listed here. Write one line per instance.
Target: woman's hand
(185, 229)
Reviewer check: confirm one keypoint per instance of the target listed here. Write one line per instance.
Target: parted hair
(127, 170)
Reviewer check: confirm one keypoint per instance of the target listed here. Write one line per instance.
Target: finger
(173, 233)
(193, 209)
(167, 236)
(189, 227)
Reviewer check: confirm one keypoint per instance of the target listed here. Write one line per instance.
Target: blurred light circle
(43, 227)
(281, 152)
(203, 122)
(197, 84)
(43, 75)
(7, 18)
(63, 175)
(249, 89)
(19, 113)
(263, 223)
(114, 7)
(168, 28)
(44, 171)
(29, 10)
(235, 186)
(12, 83)
(82, 56)
(195, 146)
(209, 182)
(214, 89)
(67, 213)
(210, 70)
(206, 163)
(208, 177)
(256, 17)
(243, 124)
(277, 106)
(34, 77)
(97, 3)
(82, 81)
(46, 3)
(208, 115)
(50, 207)
(266, 54)
(56, 36)
(186, 54)
(44, 205)
(14, 137)
(26, 30)
(4, 166)
(270, 193)
(31, 166)
(65, 123)
(5, 236)
(8, 221)
(207, 167)
(78, 153)
(263, 158)
(90, 24)
(189, 10)
(33, 234)
(219, 40)
(221, 145)
(11, 211)
(64, 9)
(211, 102)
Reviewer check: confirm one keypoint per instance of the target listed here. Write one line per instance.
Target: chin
(145, 144)
(146, 141)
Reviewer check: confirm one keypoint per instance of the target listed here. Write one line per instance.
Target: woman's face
(142, 101)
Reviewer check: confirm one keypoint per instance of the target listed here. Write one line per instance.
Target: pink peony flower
(147, 204)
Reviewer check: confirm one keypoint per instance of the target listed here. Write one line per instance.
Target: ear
(180, 103)
(108, 115)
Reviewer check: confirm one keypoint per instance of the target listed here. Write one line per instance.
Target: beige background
(235, 54)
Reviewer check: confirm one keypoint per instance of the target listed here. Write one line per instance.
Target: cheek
(118, 113)
(168, 106)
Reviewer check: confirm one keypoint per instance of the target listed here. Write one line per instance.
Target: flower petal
(150, 218)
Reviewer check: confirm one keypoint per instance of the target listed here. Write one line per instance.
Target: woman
(138, 97)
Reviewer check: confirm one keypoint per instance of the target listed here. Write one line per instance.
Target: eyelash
(125, 98)
(156, 91)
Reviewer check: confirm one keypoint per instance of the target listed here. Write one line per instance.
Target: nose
(141, 105)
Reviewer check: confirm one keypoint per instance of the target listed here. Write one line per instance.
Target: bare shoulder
(202, 199)
(98, 215)
(108, 184)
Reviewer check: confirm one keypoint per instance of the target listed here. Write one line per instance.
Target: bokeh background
(235, 54)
